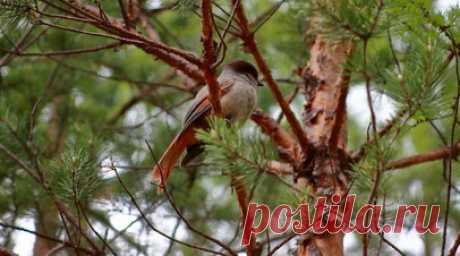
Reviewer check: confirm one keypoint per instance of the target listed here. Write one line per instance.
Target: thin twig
(147, 221)
(281, 244)
(187, 222)
(64, 52)
(388, 242)
(66, 243)
(453, 148)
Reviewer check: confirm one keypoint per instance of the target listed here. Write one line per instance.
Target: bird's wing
(201, 104)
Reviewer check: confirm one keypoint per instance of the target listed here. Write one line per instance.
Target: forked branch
(248, 38)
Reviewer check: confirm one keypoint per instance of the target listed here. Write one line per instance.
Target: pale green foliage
(75, 175)
(233, 151)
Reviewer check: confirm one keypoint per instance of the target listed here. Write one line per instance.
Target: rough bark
(326, 168)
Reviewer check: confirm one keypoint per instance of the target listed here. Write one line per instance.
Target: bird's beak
(259, 83)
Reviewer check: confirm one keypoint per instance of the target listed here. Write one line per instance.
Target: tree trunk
(46, 222)
(47, 219)
(325, 169)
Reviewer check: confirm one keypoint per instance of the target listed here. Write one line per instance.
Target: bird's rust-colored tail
(168, 160)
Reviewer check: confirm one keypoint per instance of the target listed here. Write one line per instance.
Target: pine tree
(91, 92)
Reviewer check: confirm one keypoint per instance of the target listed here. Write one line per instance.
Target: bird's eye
(249, 77)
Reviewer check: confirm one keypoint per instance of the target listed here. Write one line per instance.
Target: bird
(238, 84)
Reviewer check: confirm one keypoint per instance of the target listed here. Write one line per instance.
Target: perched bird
(238, 98)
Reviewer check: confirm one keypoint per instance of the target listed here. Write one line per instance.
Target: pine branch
(434, 155)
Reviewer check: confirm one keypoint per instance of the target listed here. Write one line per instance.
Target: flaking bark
(325, 169)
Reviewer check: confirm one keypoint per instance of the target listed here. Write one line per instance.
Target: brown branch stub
(434, 155)
(248, 38)
(279, 168)
(209, 56)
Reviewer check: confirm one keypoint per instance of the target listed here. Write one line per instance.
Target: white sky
(357, 106)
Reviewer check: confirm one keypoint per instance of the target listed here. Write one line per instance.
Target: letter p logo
(249, 229)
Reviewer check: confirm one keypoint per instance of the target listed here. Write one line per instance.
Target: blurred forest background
(86, 109)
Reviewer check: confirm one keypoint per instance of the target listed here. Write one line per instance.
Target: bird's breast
(239, 102)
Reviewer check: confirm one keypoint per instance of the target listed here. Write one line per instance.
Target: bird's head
(245, 69)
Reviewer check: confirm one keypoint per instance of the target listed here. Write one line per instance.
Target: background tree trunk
(47, 219)
(46, 222)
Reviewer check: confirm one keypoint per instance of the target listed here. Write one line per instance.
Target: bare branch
(63, 53)
(141, 212)
(187, 222)
(361, 152)
(287, 145)
(454, 248)
(285, 241)
(66, 243)
(124, 13)
(434, 155)
(18, 161)
(209, 56)
(180, 59)
(391, 245)
(248, 37)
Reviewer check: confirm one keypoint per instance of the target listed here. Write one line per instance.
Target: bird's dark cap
(244, 67)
